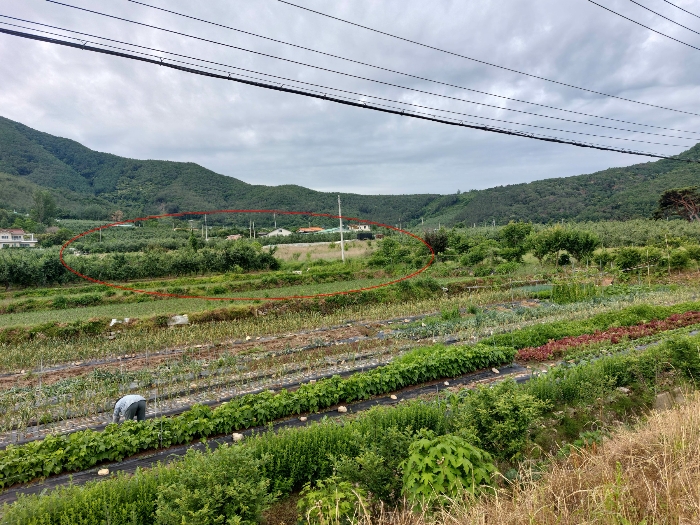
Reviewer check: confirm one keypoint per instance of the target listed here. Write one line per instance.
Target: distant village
(363, 231)
(18, 238)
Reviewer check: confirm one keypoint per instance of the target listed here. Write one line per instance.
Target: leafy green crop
(444, 466)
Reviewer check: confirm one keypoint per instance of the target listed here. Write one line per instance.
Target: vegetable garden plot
(31, 412)
(87, 402)
(26, 462)
(300, 455)
(129, 466)
(557, 348)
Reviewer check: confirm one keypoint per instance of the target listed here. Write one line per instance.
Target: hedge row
(84, 449)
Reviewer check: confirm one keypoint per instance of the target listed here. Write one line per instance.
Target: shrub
(199, 491)
(627, 258)
(498, 419)
(437, 240)
(679, 259)
(376, 468)
(331, 501)
(483, 271)
(693, 252)
(685, 356)
(507, 268)
(603, 257)
(444, 466)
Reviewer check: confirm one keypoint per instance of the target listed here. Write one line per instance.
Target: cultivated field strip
(211, 373)
(146, 460)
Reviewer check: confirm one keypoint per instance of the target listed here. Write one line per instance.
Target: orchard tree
(437, 240)
(580, 244)
(682, 202)
(44, 211)
(513, 237)
(546, 242)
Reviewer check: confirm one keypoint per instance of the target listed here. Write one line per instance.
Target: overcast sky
(146, 112)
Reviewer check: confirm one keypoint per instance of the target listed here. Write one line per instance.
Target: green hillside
(90, 184)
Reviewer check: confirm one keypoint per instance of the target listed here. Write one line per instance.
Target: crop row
(84, 449)
(236, 482)
(557, 347)
(25, 407)
(539, 334)
(93, 394)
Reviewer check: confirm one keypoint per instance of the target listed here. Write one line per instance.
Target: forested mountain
(90, 184)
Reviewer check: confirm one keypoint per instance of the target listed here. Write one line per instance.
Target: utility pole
(342, 244)
(206, 229)
(275, 216)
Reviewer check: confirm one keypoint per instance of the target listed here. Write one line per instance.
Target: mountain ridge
(91, 184)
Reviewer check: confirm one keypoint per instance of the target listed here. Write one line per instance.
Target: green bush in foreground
(498, 418)
(444, 466)
(330, 501)
(685, 356)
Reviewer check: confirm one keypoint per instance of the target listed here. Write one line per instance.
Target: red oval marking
(279, 212)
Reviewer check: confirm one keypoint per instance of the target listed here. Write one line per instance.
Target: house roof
(310, 229)
(13, 231)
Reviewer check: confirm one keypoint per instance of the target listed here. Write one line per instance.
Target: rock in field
(179, 320)
(663, 401)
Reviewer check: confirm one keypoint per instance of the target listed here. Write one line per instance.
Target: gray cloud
(141, 111)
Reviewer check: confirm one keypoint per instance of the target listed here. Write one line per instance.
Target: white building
(279, 232)
(14, 238)
(360, 227)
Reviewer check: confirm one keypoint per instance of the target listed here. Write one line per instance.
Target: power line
(322, 52)
(430, 118)
(354, 76)
(324, 93)
(679, 7)
(326, 88)
(85, 42)
(664, 17)
(645, 27)
(480, 61)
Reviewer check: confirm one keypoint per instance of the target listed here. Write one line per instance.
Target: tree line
(20, 267)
